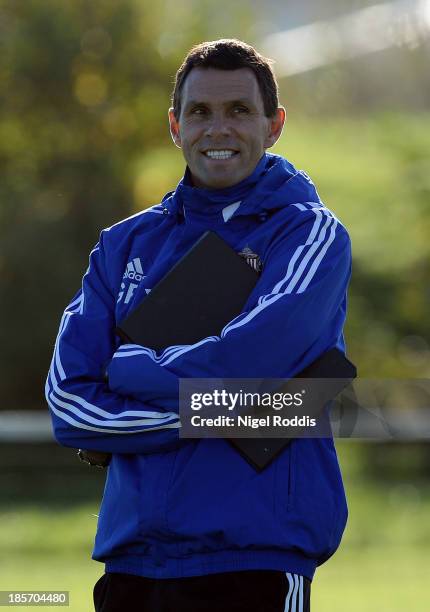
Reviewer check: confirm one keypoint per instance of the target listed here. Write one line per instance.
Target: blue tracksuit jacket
(175, 507)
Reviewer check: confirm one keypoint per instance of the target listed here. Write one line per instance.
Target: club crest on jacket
(252, 259)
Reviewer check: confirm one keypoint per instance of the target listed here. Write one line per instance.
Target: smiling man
(219, 121)
(189, 525)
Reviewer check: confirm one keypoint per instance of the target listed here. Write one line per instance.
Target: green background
(84, 142)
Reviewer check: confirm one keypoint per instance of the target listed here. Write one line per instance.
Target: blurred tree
(85, 91)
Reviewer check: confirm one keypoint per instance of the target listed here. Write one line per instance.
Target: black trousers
(246, 591)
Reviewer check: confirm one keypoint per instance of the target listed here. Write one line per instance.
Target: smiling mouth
(220, 154)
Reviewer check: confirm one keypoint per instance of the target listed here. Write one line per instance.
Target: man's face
(222, 128)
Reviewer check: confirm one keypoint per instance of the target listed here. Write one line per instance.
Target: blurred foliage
(86, 87)
(84, 142)
(373, 172)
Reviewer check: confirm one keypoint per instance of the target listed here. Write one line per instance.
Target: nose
(218, 125)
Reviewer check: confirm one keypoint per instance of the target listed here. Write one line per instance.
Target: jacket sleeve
(85, 412)
(295, 314)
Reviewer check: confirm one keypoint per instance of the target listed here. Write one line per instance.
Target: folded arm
(295, 314)
(85, 412)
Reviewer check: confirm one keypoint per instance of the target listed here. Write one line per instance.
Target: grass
(50, 549)
(380, 578)
(381, 566)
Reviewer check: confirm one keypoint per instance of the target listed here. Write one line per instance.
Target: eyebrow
(243, 101)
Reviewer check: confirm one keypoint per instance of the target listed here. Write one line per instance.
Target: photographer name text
(247, 421)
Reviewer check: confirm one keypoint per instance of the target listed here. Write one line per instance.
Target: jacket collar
(274, 183)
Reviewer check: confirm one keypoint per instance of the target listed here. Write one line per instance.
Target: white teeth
(223, 154)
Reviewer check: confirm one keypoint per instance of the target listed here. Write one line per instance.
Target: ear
(174, 128)
(276, 124)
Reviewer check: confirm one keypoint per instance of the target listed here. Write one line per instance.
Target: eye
(198, 110)
(240, 109)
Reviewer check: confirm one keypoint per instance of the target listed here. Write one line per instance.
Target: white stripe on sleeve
(53, 395)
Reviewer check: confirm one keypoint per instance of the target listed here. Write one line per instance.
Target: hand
(94, 458)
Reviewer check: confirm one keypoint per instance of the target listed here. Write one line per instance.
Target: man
(188, 524)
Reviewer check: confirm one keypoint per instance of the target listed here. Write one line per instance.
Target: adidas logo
(134, 270)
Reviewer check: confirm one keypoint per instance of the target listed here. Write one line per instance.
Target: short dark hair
(229, 54)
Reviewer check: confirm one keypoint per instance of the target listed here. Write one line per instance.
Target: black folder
(333, 365)
(206, 289)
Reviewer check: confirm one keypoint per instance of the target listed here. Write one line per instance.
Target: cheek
(191, 132)
(190, 142)
(255, 136)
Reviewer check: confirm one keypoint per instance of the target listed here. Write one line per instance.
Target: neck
(237, 188)
(207, 204)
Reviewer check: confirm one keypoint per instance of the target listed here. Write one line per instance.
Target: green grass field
(382, 565)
